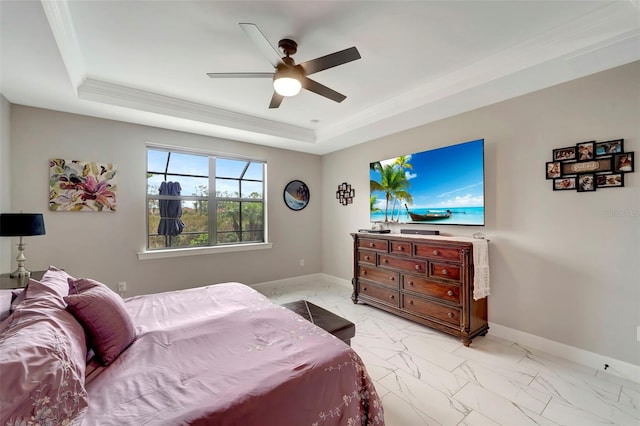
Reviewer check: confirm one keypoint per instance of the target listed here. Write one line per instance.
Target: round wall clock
(296, 195)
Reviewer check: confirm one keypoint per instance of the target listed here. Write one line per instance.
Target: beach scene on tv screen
(441, 186)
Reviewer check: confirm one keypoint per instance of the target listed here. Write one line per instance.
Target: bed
(216, 355)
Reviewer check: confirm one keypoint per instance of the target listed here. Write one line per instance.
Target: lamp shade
(21, 224)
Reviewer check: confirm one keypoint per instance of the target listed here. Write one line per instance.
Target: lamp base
(20, 273)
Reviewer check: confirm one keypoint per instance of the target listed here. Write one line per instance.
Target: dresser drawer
(435, 252)
(388, 278)
(409, 265)
(450, 293)
(374, 244)
(425, 308)
(444, 270)
(383, 295)
(401, 248)
(366, 257)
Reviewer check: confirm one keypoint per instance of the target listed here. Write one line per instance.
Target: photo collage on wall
(588, 166)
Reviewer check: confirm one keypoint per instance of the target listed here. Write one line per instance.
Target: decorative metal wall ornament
(345, 194)
(590, 165)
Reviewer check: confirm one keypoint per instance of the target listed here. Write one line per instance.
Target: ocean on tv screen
(459, 216)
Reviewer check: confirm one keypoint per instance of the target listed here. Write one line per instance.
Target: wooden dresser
(422, 278)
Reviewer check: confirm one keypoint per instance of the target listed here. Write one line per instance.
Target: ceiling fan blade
(276, 100)
(331, 60)
(240, 74)
(322, 90)
(262, 43)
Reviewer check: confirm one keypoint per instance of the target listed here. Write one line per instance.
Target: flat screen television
(443, 186)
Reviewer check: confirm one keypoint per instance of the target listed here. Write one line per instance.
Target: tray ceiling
(146, 62)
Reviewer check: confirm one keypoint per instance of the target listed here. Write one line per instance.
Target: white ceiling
(146, 61)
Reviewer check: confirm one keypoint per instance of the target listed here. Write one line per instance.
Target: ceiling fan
(289, 78)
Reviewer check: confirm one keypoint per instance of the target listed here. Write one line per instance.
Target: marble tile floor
(426, 377)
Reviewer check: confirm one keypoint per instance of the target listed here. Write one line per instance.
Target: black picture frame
(554, 169)
(622, 166)
(610, 180)
(296, 195)
(564, 154)
(586, 182)
(586, 151)
(345, 194)
(565, 184)
(607, 148)
(590, 165)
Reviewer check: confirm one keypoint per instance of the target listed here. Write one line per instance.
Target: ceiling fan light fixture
(286, 81)
(287, 86)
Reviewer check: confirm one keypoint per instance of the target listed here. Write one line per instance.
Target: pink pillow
(104, 317)
(6, 297)
(17, 296)
(42, 362)
(57, 280)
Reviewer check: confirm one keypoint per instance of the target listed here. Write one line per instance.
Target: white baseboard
(336, 280)
(290, 281)
(580, 356)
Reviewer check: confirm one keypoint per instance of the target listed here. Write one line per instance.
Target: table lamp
(21, 225)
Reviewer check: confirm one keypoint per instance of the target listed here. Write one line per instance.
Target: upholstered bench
(334, 324)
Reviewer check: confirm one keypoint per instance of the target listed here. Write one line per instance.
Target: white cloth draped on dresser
(480, 269)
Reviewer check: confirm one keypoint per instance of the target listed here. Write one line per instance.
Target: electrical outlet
(301, 262)
(122, 286)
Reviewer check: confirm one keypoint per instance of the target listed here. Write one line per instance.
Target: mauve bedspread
(226, 355)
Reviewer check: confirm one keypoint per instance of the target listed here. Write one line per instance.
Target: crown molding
(128, 97)
(59, 18)
(580, 41)
(61, 23)
(611, 24)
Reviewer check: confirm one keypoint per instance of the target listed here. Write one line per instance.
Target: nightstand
(6, 282)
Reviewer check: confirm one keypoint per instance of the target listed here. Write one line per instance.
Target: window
(199, 200)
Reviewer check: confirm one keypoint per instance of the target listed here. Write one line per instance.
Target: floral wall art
(81, 186)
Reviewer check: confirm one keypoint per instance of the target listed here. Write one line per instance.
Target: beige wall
(105, 245)
(565, 266)
(5, 177)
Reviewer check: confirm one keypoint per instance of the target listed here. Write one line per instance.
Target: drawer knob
(392, 278)
(417, 267)
(436, 252)
(364, 272)
(450, 293)
(450, 314)
(367, 258)
(364, 289)
(372, 245)
(385, 261)
(400, 248)
(391, 297)
(445, 272)
(411, 302)
(411, 284)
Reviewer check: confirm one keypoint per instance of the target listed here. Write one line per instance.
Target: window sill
(197, 251)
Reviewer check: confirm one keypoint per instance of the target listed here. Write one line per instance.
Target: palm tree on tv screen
(393, 183)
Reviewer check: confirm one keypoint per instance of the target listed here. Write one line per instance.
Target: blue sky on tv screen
(449, 177)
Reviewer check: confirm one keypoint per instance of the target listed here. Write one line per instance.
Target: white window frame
(146, 253)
